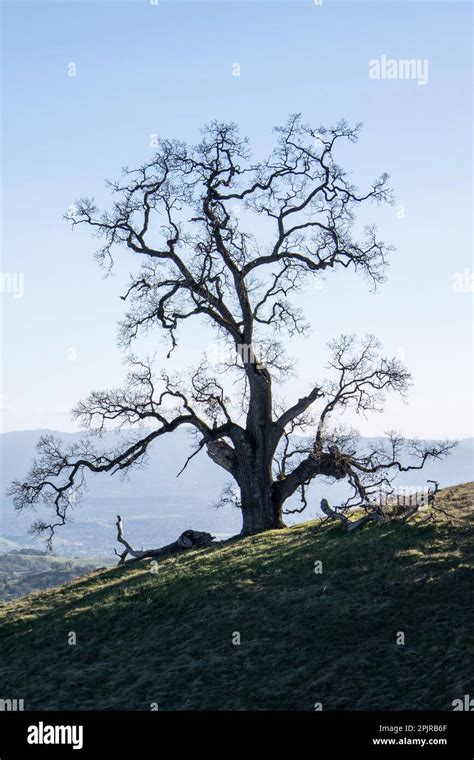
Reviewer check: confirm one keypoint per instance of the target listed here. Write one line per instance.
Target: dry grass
(305, 637)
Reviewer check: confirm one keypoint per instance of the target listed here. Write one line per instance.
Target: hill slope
(166, 637)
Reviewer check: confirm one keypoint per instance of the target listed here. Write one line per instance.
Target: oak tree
(189, 219)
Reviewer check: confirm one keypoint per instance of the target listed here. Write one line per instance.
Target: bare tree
(186, 215)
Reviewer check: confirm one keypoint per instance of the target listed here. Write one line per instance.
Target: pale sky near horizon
(144, 69)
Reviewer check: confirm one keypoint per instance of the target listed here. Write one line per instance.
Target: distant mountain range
(155, 505)
(23, 571)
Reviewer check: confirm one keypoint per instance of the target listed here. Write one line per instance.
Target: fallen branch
(190, 539)
(350, 525)
(332, 513)
(376, 515)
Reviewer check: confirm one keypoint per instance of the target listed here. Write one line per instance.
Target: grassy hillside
(166, 637)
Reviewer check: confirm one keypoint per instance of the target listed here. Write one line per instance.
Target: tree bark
(253, 460)
(252, 471)
(259, 512)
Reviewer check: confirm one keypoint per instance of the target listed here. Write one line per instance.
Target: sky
(143, 68)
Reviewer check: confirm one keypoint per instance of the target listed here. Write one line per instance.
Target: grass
(166, 637)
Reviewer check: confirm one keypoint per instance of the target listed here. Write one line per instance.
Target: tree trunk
(260, 511)
(251, 464)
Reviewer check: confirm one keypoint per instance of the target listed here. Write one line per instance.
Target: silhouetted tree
(179, 215)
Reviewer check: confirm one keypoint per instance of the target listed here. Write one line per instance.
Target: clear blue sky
(167, 69)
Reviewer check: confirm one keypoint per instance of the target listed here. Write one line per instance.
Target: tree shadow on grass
(306, 637)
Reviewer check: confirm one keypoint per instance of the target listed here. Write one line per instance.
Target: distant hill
(25, 570)
(155, 505)
(6, 545)
(201, 480)
(165, 459)
(168, 636)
